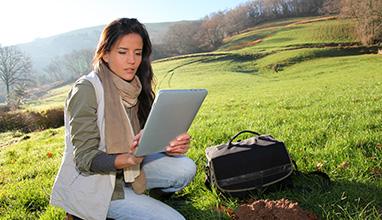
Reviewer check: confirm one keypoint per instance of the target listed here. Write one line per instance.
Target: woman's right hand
(128, 159)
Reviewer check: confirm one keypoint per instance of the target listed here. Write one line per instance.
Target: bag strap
(325, 183)
(241, 132)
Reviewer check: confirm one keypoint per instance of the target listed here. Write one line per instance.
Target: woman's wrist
(125, 160)
(120, 161)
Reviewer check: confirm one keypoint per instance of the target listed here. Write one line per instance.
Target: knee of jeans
(187, 171)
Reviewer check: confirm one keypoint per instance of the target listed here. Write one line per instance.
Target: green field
(324, 102)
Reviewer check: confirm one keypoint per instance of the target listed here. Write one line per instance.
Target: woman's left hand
(179, 145)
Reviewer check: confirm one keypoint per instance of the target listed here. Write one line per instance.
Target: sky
(23, 21)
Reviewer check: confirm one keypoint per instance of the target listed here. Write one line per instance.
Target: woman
(104, 112)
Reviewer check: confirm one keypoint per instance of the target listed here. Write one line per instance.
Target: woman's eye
(138, 54)
(121, 52)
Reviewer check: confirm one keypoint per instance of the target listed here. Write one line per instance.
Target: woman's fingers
(136, 140)
(180, 149)
(181, 142)
(183, 136)
(179, 145)
(138, 136)
(133, 147)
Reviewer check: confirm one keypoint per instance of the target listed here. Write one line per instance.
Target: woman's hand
(179, 145)
(134, 145)
(128, 159)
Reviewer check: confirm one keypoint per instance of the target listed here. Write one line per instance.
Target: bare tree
(369, 19)
(70, 66)
(182, 38)
(331, 7)
(56, 69)
(238, 19)
(15, 67)
(368, 16)
(78, 62)
(17, 96)
(212, 32)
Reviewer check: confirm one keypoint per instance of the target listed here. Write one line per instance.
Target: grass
(324, 103)
(326, 110)
(28, 169)
(53, 99)
(280, 35)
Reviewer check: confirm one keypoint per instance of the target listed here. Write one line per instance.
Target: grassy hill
(305, 81)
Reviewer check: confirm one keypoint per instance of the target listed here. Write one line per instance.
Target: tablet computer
(171, 115)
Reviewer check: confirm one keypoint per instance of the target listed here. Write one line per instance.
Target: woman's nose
(131, 58)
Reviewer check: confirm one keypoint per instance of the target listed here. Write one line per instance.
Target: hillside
(44, 49)
(306, 82)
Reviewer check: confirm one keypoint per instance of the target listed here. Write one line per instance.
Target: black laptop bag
(236, 168)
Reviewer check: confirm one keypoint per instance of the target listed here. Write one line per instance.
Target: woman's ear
(106, 57)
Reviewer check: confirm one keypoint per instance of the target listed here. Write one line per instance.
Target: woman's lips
(129, 70)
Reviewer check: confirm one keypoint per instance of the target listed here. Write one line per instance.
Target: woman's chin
(126, 76)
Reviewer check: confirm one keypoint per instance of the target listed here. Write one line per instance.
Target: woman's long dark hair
(110, 34)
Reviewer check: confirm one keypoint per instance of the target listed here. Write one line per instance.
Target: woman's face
(125, 56)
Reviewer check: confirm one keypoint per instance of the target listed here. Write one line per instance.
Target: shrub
(4, 108)
(31, 121)
(54, 117)
(10, 121)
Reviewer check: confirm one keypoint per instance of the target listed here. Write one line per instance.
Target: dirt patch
(272, 210)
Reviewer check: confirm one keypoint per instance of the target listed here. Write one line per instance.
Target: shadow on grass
(235, 57)
(343, 200)
(238, 60)
(279, 40)
(190, 212)
(170, 73)
(328, 51)
(243, 42)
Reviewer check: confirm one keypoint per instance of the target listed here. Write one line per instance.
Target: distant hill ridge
(42, 50)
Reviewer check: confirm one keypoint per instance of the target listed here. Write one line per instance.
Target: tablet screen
(171, 115)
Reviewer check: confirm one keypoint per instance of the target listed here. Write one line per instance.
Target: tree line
(206, 34)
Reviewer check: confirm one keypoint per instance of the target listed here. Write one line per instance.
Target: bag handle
(241, 132)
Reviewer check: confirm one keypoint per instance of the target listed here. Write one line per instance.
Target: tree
(368, 16)
(370, 23)
(182, 38)
(212, 32)
(331, 7)
(78, 62)
(71, 65)
(238, 19)
(55, 69)
(15, 67)
(17, 96)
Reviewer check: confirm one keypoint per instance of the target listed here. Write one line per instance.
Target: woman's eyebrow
(124, 48)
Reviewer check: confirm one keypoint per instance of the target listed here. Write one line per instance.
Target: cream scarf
(119, 126)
